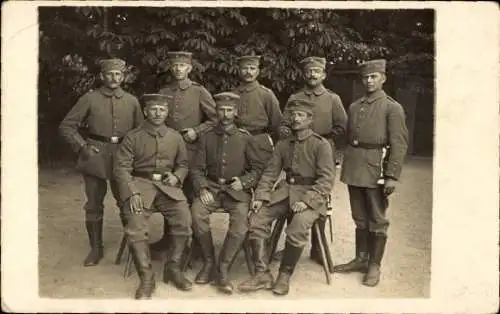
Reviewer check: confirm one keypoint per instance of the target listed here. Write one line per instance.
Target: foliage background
(73, 39)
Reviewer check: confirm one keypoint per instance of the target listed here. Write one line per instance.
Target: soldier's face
(314, 76)
(226, 114)
(300, 120)
(180, 70)
(156, 113)
(373, 81)
(112, 79)
(249, 72)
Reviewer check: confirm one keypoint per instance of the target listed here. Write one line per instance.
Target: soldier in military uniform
(375, 122)
(191, 113)
(151, 165)
(330, 118)
(226, 168)
(110, 113)
(259, 111)
(307, 159)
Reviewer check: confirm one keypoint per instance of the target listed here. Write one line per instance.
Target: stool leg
(187, 259)
(330, 220)
(275, 237)
(128, 266)
(327, 252)
(322, 251)
(119, 254)
(248, 257)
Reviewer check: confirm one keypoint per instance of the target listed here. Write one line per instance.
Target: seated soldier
(307, 160)
(150, 167)
(226, 168)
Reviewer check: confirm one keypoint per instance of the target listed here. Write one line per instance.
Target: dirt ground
(63, 245)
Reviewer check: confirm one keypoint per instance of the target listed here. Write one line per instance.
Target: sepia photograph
(261, 153)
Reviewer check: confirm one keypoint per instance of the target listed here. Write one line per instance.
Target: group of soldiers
(185, 154)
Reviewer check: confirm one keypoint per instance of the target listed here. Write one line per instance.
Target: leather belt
(112, 139)
(296, 179)
(153, 175)
(221, 181)
(356, 143)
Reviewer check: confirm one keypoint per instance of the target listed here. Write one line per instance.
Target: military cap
(180, 56)
(313, 62)
(252, 60)
(112, 65)
(155, 99)
(227, 98)
(298, 104)
(371, 66)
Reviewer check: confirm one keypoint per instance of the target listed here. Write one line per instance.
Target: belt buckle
(221, 181)
(355, 142)
(291, 180)
(114, 139)
(156, 177)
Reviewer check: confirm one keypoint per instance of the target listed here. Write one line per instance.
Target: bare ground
(63, 245)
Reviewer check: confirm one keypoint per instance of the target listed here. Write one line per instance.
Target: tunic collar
(154, 130)
(248, 87)
(318, 90)
(303, 135)
(117, 92)
(184, 84)
(373, 97)
(220, 130)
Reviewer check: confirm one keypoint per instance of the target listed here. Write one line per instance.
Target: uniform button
(355, 142)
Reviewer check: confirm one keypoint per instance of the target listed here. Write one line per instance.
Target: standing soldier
(259, 111)
(330, 118)
(151, 165)
(225, 170)
(191, 113)
(109, 112)
(375, 122)
(307, 160)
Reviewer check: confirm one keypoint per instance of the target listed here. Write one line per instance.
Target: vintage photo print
(249, 156)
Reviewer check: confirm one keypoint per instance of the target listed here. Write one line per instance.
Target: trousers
(367, 208)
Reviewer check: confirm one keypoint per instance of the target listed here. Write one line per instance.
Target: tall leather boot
(162, 244)
(262, 278)
(205, 275)
(231, 247)
(291, 256)
(360, 262)
(377, 248)
(142, 261)
(94, 231)
(172, 270)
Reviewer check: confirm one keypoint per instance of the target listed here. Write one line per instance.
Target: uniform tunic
(147, 149)
(224, 154)
(308, 158)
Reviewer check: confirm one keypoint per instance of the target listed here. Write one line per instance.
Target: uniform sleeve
(250, 178)
(398, 140)
(317, 195)
(181, 166)
(70, 124)
(339, 119)
(124, 163)
(274, 114)
(200, 166)
(138, 114)
(270, 175)
(207, 104)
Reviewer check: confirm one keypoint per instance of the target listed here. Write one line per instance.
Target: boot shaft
(94, 231)
(377, 247)
(291, 256)
(259, 255)
(362, 238)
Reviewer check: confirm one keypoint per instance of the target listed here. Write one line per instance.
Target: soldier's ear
(101, 76)
(384, 78)
(189, 68)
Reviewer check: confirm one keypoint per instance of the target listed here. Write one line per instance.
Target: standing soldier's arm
(275, 116)
(269, 176)
(207, 104)
(181, 165)
(255, 166)
(123, 166)
(70, 124)
(200, 166)
(339, 119)
(398, 140)
(138, 115)
(325, 175)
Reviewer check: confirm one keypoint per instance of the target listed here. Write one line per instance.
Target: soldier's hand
(89, 150)
(284, 132)
(136, 204)
(189, 135)
(236, 184)
(170, 179)
(298, 207)
(389, 186)
(206, 197)
(256, 205)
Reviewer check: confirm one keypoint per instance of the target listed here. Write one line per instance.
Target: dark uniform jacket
(192, 107)
(309, 161)
(147, 150)
(375, 120)
(107, 113)
(259, 110)
(223, 155)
